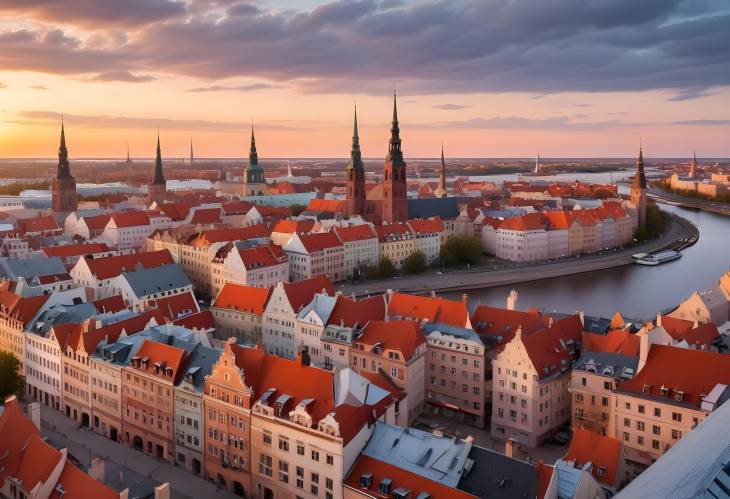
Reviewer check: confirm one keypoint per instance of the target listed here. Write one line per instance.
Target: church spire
(191, 151)
(159, 177)
(640, 177)
(693, 166)
(355, 153)
(63, 167)
(253, 157)
(395, 154)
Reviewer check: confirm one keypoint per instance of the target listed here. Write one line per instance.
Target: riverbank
(676, 236)
(686, 202)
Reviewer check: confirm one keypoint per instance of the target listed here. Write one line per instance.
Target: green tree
(415, 263)
(462, 249)
(447, 258)
(656, 223)
(386, 268)
(10, 380)
(373, 272)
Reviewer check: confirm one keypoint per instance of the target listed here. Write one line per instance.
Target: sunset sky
(490, 78)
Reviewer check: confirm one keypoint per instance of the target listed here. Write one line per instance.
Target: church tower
(395, 193)
(64, 185)
(693, 167)
(254, 183)
(191, 153)
(440, 191)
(157, 189)
(638, 190)
(128, 165)
(355, 176)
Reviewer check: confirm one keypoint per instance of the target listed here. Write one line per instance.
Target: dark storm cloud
(430, 46)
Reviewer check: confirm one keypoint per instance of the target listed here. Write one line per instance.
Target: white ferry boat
(656, 258)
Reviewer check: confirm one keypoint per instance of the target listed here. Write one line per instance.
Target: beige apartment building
(662, 403)
(315, 254)
(259, 266)
(360, 243)
(238, 312)
(531, 376)
(396, 242)
(455, 373)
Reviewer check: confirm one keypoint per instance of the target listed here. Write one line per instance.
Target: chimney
(433, 293)
(518, 333)
(124, 494)
(97, 470)
(659, 319)
(34, 414)
(512, 300)
(643, 350)
(582, 315)
(465, 300)
(162, 491)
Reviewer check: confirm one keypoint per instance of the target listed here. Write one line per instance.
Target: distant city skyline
(489, 79)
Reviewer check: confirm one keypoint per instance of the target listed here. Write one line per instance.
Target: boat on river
(656, 258)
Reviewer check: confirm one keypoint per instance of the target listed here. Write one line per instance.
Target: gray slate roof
(432, 207)
(200, 364)
(146, 282)
(616, 365)
(456, 332)
(38, 266)
(496, 475)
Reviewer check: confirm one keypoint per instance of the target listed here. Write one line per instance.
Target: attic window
(384, 486)
(601, 471)
(678, 395)
(366, 479)
(646, 388)
(664, 391)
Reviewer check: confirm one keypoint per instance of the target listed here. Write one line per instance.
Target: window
(640, 440)
(641, 408)
(315, 455)
(283, 472)
(584, 381)
(657, 412)
(656, 430)
(640, 425)
(626, 436)
(300, 448)
(300, 477)
(330, 459)
(655, 444)
(394, 372)
(283, 443)
(267, 438)
(601, 471)
(627, 422)
(676, 434)
(677, 416)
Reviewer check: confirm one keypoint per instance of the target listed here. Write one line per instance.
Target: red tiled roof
(78, 249)
(37, 224)
(78, 485)
(51, 278)
(237, 207)
(206, 216)
(97, 222)
(559, 219)
(19, 307)
(131, 219)
(319, 241)
(544, 476)
(86, 336)
(703, 336)
(165, 355)
(15, 430)
(427, 226)
(355, 233)
(675, 325)
(207, 237)
(431, 309)
(327, 205)
(177, 211)
(287, 226)
(262, 256)
(201, 320)
(178, 305)
(272, 211)
(617, 341)
(111, 266)
(110, 304)
(698, 374)
(495, 322)
(400, 336)
(386, 232)
(243, 298)
(401, 477)
(348, 312)
(552, 350)
(300, 293)
(531, 221)
(603, 451)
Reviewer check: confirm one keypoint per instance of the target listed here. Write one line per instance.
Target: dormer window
(678, 395)
(664, 391)
(646, 388)
(366, 480)
(384, 486)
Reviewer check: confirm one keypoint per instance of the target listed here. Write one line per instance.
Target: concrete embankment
(680, 234)
(697, 204)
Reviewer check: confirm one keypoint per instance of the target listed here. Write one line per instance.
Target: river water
(634, 290)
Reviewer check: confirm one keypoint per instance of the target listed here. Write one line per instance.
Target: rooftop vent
(401, 493)
(366, 480)
(423, 495)
(384, 486)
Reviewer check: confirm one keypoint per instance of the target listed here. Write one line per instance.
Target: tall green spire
(253, 157)
(355, 153)
(159, 177)
(64, 169)
(395, 154)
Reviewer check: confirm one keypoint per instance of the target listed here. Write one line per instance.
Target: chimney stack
(512, 300)
(643, 350)
(511, 447)
(162, 491)
(97, 470)
(34, 414)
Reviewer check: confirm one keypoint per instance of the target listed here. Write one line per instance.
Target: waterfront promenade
(485, 276)
(679, 200)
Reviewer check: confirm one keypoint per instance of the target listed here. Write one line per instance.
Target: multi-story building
(396, 242)
(98, 275)
(398, 351)
(142, 287)
(189, 417)
(605, 363)
(346, 321)
(429, 235)
(238, 312)
(360, 243)
(285, 302)
(70, 253)
(87, 224)
(259, 266)
(147, 398)
(309, 326)
(126, 231)
(315, 254)
(16, 312)
(283, 230)
(662, 402)
(531, 375)
(428, 309)
(456, 373)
